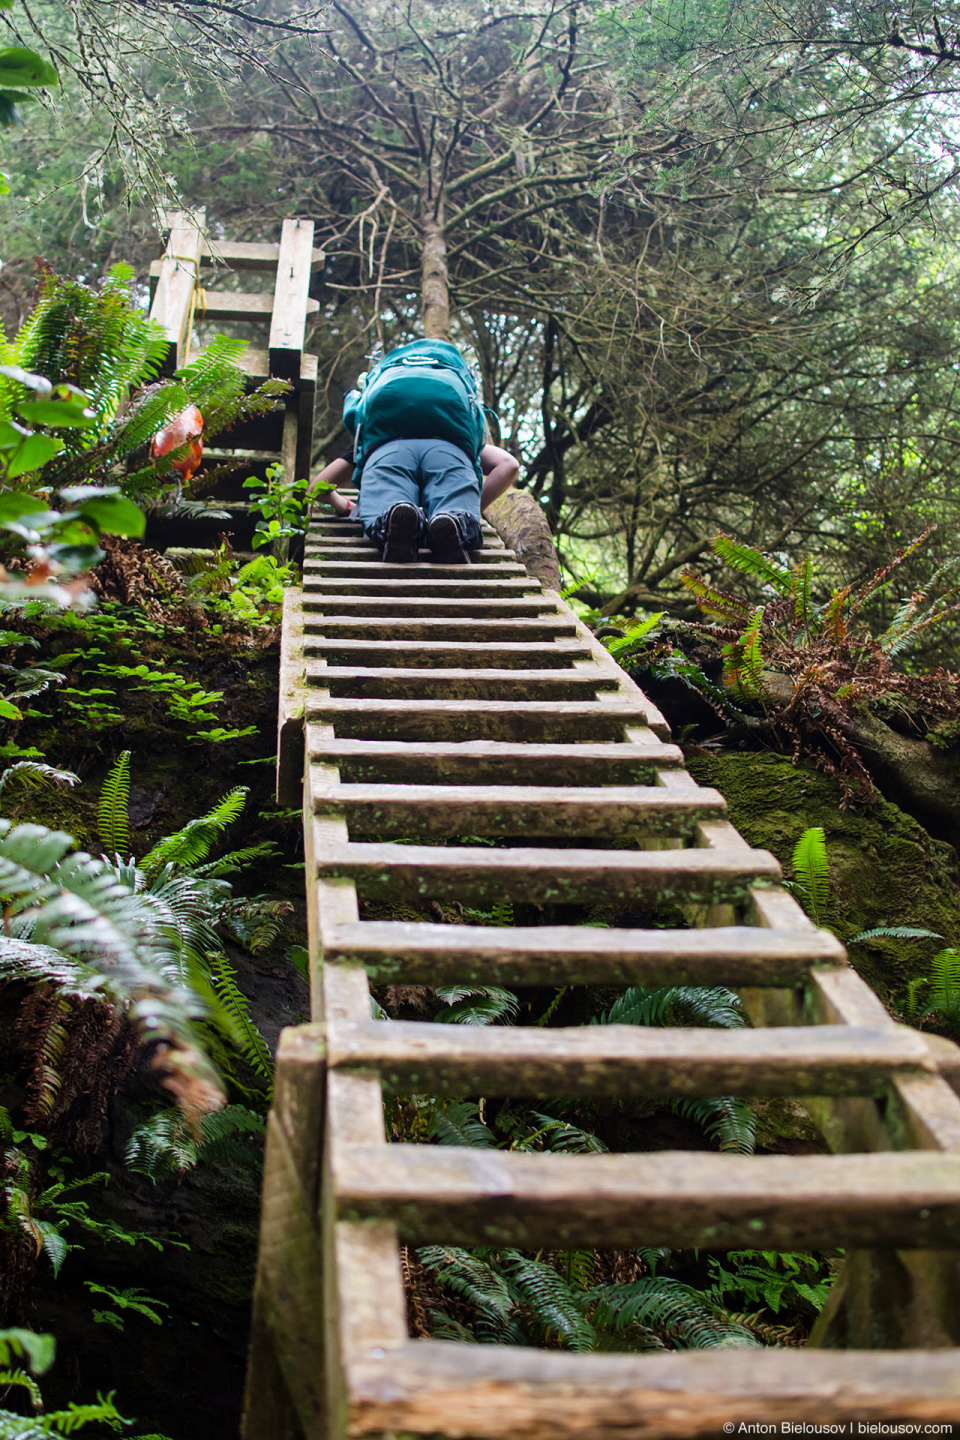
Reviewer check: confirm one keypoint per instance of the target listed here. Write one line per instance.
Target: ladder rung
(377, 586)
(406, 605)
(545, 875)
(459, 682)
(362, 550)
(442, 627)
(396, 951)
(492, 761)
(425, 570)
(537, 720)
(527, 810)
(515, 654)
(633, 1060)
(443, 1388)
(461, 1196)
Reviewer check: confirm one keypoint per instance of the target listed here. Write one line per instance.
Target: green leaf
(66, 406)
(8, 711)
(33, 453)
(812, 871)
(115, 514)
(38, 1349)
(25, 67)
(11, 434)
(23, 377)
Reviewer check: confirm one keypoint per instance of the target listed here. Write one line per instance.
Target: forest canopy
(703, 254)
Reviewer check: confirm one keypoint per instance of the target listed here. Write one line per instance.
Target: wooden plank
(461, 1196)
(456, 683)
(242, 255)
(504, 1392)
(428, 652)
(359, 568)
(449, 628)
(542, 875)
(536, 720)
(490, 761)
(237, 306)
(172, 305)
(527, 810)
(397, 952)
(628, 1060)
(461, 584)
(290, 720)
(288, 326)
(375, 605)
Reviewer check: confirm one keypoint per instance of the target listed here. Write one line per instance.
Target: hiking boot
(446, 540)
(401, 539)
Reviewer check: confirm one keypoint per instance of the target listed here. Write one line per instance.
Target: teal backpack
(422, 391)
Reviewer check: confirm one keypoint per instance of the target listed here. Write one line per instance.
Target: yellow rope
(198, 293)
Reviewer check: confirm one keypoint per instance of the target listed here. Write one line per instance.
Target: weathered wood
(490, 761)
(712, 1202)
(456, 683)
(353, 627)
(291, 713)
(177, 283)
(556, 876)
(515, 654)
(290, 296)
(502, 1392)
(373, 605)
(361, 568)
(527, 810)
(628, 1060)
(419, 954)
(541, 721)
(242, 255)
(459, 585)
(235, 305)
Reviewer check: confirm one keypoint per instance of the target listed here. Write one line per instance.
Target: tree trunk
(923, 781)
(435, 291)
(522, 525)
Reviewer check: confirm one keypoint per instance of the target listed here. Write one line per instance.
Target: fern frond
(234, 1015)
(719, 603)
(37, 1350)
(35, 772)
(945, 981)
(750, 561)
(468, 1276)
(667, 1306)
(554, 1308)
(635, 635)
(194, 842)
(811, 869)
(459, 1124)
(727, 1119)
(894, 932)
(477, 1005)
(676, 1005)
(113, 820)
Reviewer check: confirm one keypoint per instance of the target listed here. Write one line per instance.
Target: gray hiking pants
(433, 475)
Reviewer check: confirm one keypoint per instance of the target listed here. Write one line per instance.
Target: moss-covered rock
(885, 869)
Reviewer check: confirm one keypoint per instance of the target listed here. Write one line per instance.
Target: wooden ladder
(185, 294)
(447, 701)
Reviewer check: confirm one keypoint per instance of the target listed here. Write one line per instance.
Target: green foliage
(811, 868)
(477, 1004)
(132, 1299)
(164, 1146)
(776, 1279)
(113, 807)
(282, 508)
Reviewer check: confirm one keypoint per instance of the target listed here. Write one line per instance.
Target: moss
(884, 867)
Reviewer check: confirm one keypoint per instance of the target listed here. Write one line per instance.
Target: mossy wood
(430, 725)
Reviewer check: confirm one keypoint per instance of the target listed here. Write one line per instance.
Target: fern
(894, 932)
(113, 809)
(636, 634)
(34, 772)
(164, 1145)
(676, 1005)
(812, 871)
(945, 983)
(752, 562)
(194, 842)
(477, 1005)
(554, 1307)
(659, 1303)
(727, 1119)
(549, 1133)
(459, 1124)
(469, 1276)
(236, 1010)
(37, 1350)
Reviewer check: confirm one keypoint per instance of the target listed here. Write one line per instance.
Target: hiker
(417, 486)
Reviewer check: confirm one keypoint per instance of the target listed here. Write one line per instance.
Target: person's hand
(341, 505)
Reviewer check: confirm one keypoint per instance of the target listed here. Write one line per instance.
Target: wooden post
(288, 327)
(173, 303)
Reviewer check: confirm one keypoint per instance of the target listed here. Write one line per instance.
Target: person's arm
(338, 472)
(500, 470)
